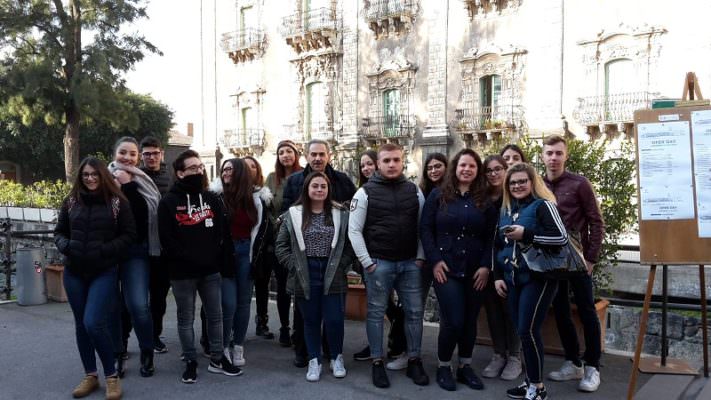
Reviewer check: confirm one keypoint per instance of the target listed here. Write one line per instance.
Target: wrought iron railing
(390, 126)
(253, 137)
(319, 19)
(380, 9)
(242, 39)
(613, 108)
(489, 118)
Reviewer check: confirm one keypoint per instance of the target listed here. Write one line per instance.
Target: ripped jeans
(406, 279)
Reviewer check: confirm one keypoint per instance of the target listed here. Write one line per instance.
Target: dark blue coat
(460, 233)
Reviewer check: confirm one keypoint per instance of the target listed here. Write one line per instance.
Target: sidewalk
(40, 361)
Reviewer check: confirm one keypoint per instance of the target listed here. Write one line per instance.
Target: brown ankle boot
(113, 388)
(86, 386)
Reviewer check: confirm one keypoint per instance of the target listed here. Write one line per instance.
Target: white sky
(174, 79)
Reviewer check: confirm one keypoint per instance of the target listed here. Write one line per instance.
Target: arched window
(620, 84)
(489, 94)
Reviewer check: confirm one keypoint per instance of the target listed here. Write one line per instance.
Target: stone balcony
(385, 128)
(390, 17)
(311, 30)
(482, 8)
(611, 114)
(484, 123)
(244, 45)
(244, 141)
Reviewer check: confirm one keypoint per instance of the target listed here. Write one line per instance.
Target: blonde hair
(539, 190)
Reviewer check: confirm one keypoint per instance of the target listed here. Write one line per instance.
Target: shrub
(42, 194)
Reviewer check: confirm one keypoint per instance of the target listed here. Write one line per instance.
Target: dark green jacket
(290, 251)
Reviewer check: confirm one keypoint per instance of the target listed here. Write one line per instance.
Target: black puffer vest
(390, 230)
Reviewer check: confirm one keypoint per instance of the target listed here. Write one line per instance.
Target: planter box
(55, 283)
(551, 339)
(356, 303)
(48, 215)
(15, 213)
(32, 214)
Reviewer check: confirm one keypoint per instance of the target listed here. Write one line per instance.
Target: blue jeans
(320, 307)
(134, 276)
(91, 299)
(529, 305)
(243, 290)
(405, 277)
(184, 291)
(583, 293)
(459, 306)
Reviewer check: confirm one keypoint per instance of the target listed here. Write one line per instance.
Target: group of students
(121, 228)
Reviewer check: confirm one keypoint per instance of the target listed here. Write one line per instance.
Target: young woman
(506, 360)
(313, 245)
(368, 166)
(94, 229)
(249, 225)
(435, 170)
(529, 218)
(134, 272)
(457, 231)
(286, 164)
(262, 271)
(513, 154)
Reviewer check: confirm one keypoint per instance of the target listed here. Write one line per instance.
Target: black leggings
(261, 288)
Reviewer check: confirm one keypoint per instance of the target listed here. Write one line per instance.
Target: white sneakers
(314, 372)
(568, 371)
(513, 368)
(238, 356)
(398, 364)
(591, 380)
(338, 368)
(494, 367)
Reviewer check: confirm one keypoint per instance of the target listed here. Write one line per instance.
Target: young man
(154, 166)
(383, 229)
(581, 216)
(318, 156)
(197, 247)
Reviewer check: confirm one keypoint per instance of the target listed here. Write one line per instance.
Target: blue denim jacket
(459, 233)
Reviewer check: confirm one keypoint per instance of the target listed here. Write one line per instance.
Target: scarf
(150, 193)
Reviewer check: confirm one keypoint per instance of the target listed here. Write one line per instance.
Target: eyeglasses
(148, 154)
(519, 182)
(227, 169)
(495, 170)
(435, 166)
(195, 168)
(88, 175)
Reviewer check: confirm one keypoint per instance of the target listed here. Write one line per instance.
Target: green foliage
(43, 194)
(62, 65)
(611, 171)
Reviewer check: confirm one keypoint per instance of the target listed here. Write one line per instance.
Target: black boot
(120, 364)
(262, 327)
(284, 338)
(147, 368)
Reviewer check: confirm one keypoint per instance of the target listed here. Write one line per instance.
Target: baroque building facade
(438, 75)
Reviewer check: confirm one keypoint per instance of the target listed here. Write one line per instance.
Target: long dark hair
(305, 201)
(238, 193)
(515, 148)
(280, 170)
(426, 184)
(492, 191)
(362, 179)
(259, 179)
(477, 189)
(107, 188)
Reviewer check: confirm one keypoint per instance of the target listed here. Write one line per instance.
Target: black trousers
(159, 286)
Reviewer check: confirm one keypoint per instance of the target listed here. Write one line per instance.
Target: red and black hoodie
(194, 235)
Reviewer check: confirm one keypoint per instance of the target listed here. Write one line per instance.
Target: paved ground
(40, 361)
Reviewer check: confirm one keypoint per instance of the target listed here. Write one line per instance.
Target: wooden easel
(662, 255)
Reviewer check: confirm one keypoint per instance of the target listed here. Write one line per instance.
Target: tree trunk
(71, 143)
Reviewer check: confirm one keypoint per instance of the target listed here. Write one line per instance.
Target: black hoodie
(193, 232)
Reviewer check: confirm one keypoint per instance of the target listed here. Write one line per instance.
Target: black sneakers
(416, 372)
(380, 377)
(190, 374)
(147, 368)
(536, 393)
(467, 376)
(363, 355)
(519, 392)
(445, 379)
(284, 338)
(159, 346)
(224, 367)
